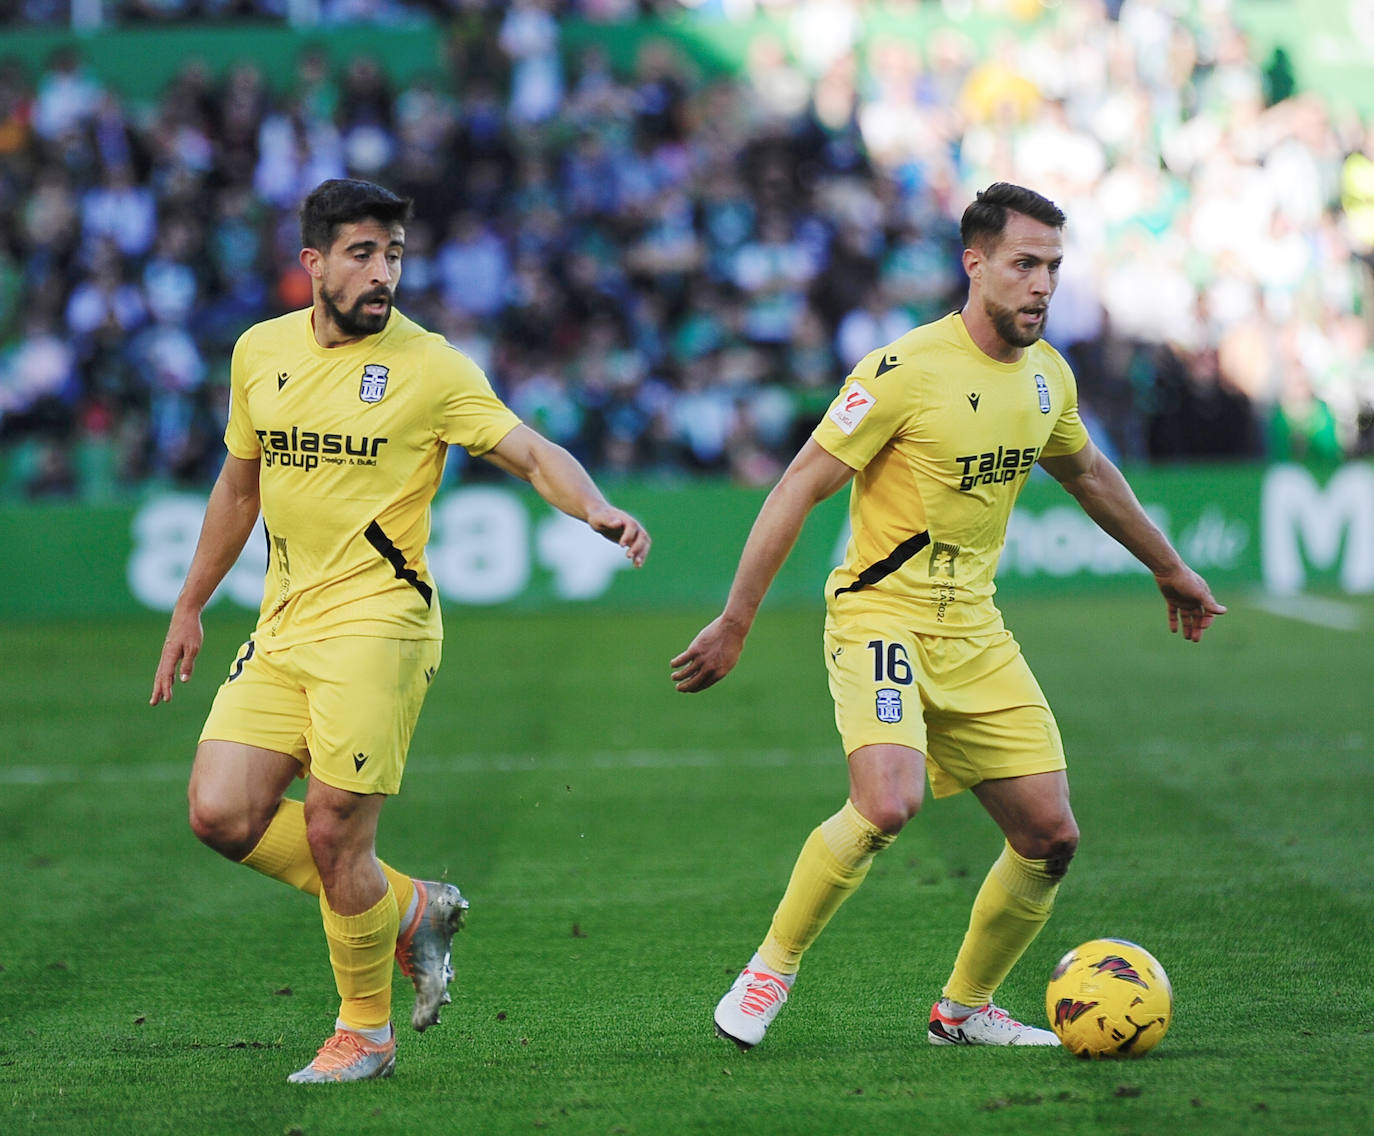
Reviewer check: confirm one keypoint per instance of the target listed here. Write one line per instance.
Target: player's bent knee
(1060, 855)
(225, 820)
(890, 813)
(228, 831)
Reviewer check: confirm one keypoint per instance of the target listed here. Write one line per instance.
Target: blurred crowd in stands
(670, 270)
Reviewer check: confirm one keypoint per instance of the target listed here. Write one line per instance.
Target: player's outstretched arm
(559, 478)
(1098, 486)
(813, 476)
(230, 515)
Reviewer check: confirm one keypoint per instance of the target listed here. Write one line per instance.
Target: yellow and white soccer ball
(1109, 998)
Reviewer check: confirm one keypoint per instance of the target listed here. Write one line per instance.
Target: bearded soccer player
(938, 432)
(340, 418)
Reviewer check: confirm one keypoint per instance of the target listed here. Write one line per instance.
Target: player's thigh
(988, 718)
(887, 784)
(365, 699)
(874, 683)
(231, 778)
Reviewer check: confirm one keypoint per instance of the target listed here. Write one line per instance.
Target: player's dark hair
(342, 201)
(986, 216)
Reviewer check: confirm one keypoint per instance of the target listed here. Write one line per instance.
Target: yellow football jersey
(942, 438)
(351, 442)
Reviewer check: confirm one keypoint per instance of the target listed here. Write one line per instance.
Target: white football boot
(749, 1007)
(348, 1056)
(990, 1025)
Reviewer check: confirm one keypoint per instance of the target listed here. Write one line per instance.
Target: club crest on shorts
(888, 705)
(374, 383)
(1042, 388)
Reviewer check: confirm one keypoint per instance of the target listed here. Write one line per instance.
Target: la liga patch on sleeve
(849, 409)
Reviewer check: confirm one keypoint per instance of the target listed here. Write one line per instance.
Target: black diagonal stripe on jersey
(888, 564)
(393, 555)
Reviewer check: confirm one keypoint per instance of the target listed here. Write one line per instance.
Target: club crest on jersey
(374, 383)
(888, 705)
(1042, 388)
(849, 409)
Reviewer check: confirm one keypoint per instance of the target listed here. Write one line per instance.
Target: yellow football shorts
(971, 705)
(345, 708)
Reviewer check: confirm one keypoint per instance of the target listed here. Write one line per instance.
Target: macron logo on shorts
(849, 409)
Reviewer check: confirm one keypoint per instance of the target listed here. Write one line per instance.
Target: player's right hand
(711, 656)
(179, 650)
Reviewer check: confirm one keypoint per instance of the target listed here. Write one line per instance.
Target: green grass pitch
(623, 847)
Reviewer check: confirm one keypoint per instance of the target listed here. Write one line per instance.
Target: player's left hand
(617, 525)
(1191, 603)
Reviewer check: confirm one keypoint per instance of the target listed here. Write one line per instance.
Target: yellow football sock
(402, 886)
(1014, 902)
(284, 854)
(360, 950)
(833, 862)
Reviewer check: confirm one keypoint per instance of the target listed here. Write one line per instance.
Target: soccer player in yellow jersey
(340, 418)
(938, 432)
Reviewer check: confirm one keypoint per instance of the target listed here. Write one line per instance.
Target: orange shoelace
(764, 991)
(343, 1050)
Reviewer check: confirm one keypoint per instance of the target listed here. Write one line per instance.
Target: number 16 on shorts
(890, 665)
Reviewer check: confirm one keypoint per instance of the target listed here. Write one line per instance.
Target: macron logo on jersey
(849, 409)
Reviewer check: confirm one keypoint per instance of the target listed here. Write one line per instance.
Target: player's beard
(1004, 323)
(356, 323)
